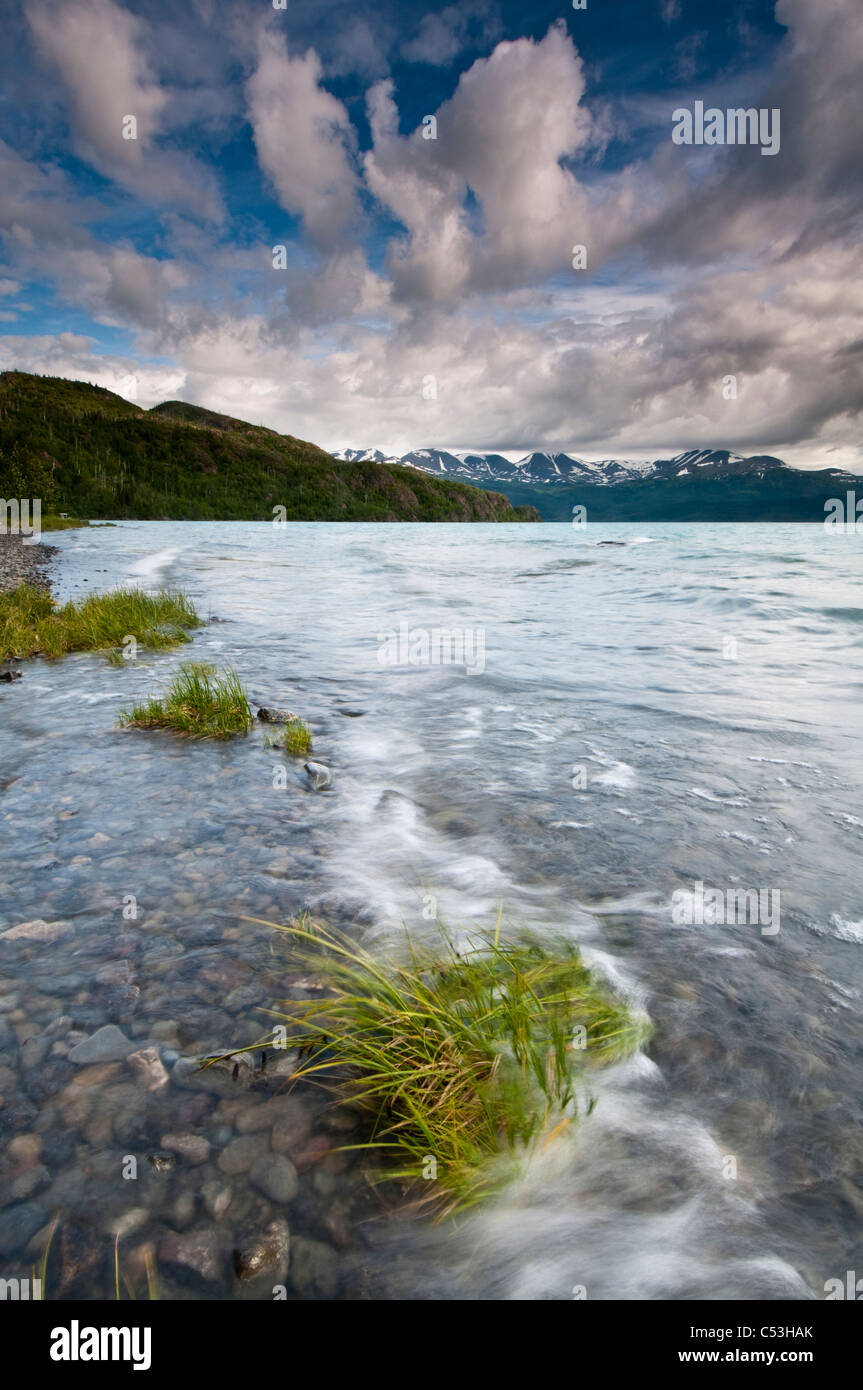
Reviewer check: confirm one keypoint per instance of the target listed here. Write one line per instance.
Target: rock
(147, 1068)
(277, 716)
(162, 1162)
(292, 1127)
(314, 1268)
(276, 1177)
(10, 675)
(107, 1044)
(37, 930)
(80, 1253)
(202, 1251)
(240, 1154)
(268, 1254)
(319, 776)
(193, 1148)
(98, 1075)
(28, 1182)
(312, 1152)
(219, 1077)
(166, 1030)
(34, 1051)
(24, 1149)
(18, 1224)
(217, 1197)
(182, 1213)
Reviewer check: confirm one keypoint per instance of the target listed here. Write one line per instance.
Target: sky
(357, 223)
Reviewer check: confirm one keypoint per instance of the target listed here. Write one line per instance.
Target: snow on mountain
(550, 469)
(364, 456)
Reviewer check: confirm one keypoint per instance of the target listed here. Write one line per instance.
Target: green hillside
(84, 450)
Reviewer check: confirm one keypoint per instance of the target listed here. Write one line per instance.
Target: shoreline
(24, 564)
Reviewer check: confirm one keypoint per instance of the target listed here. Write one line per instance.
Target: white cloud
(303, 137)
(503, 136)
(98, 48)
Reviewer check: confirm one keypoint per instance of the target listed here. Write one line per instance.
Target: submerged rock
(268, 1253)
(147, 1068)
(276, 1177)
(37, 930)
(202, 1251)
(221, 1076)
(314, 1268)
(107, 1044)
(18, 1224)
(319, 776)
(240, 1154)
(194, 1148)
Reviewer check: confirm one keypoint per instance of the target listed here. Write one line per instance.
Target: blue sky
(426, 294)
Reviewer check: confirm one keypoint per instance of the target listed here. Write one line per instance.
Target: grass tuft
(199, 702)
(473, 1057)
(295, 738)
(32, 624)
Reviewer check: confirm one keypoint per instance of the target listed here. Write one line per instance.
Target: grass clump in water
(295, 739)
(473, 1057)
(200, 702)
(32, 624)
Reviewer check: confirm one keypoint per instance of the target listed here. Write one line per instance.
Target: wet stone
(276, 1177)
(192, 1148)
(146, 1066)
(107, 1044)
(239, 1155)
(217, 1196)
(314, 1268)
(18, 1224)
(266, 1254)
(203, 1252)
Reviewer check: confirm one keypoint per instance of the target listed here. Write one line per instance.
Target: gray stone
(319, 776)
(217, 1197)
(314, 1268)
(202, 1251)
(107, 1044)
(18, 1224)
(194, 1148)
(240, 1154)
(276, 1177)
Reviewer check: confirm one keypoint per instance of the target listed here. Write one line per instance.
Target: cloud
(451, 258)
(304, 138)
(98, 49)
(498, 144)
(443, 34)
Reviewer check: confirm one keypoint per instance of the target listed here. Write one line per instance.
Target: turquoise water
(628, 721)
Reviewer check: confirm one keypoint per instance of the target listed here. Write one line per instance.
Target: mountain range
(696, 485)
